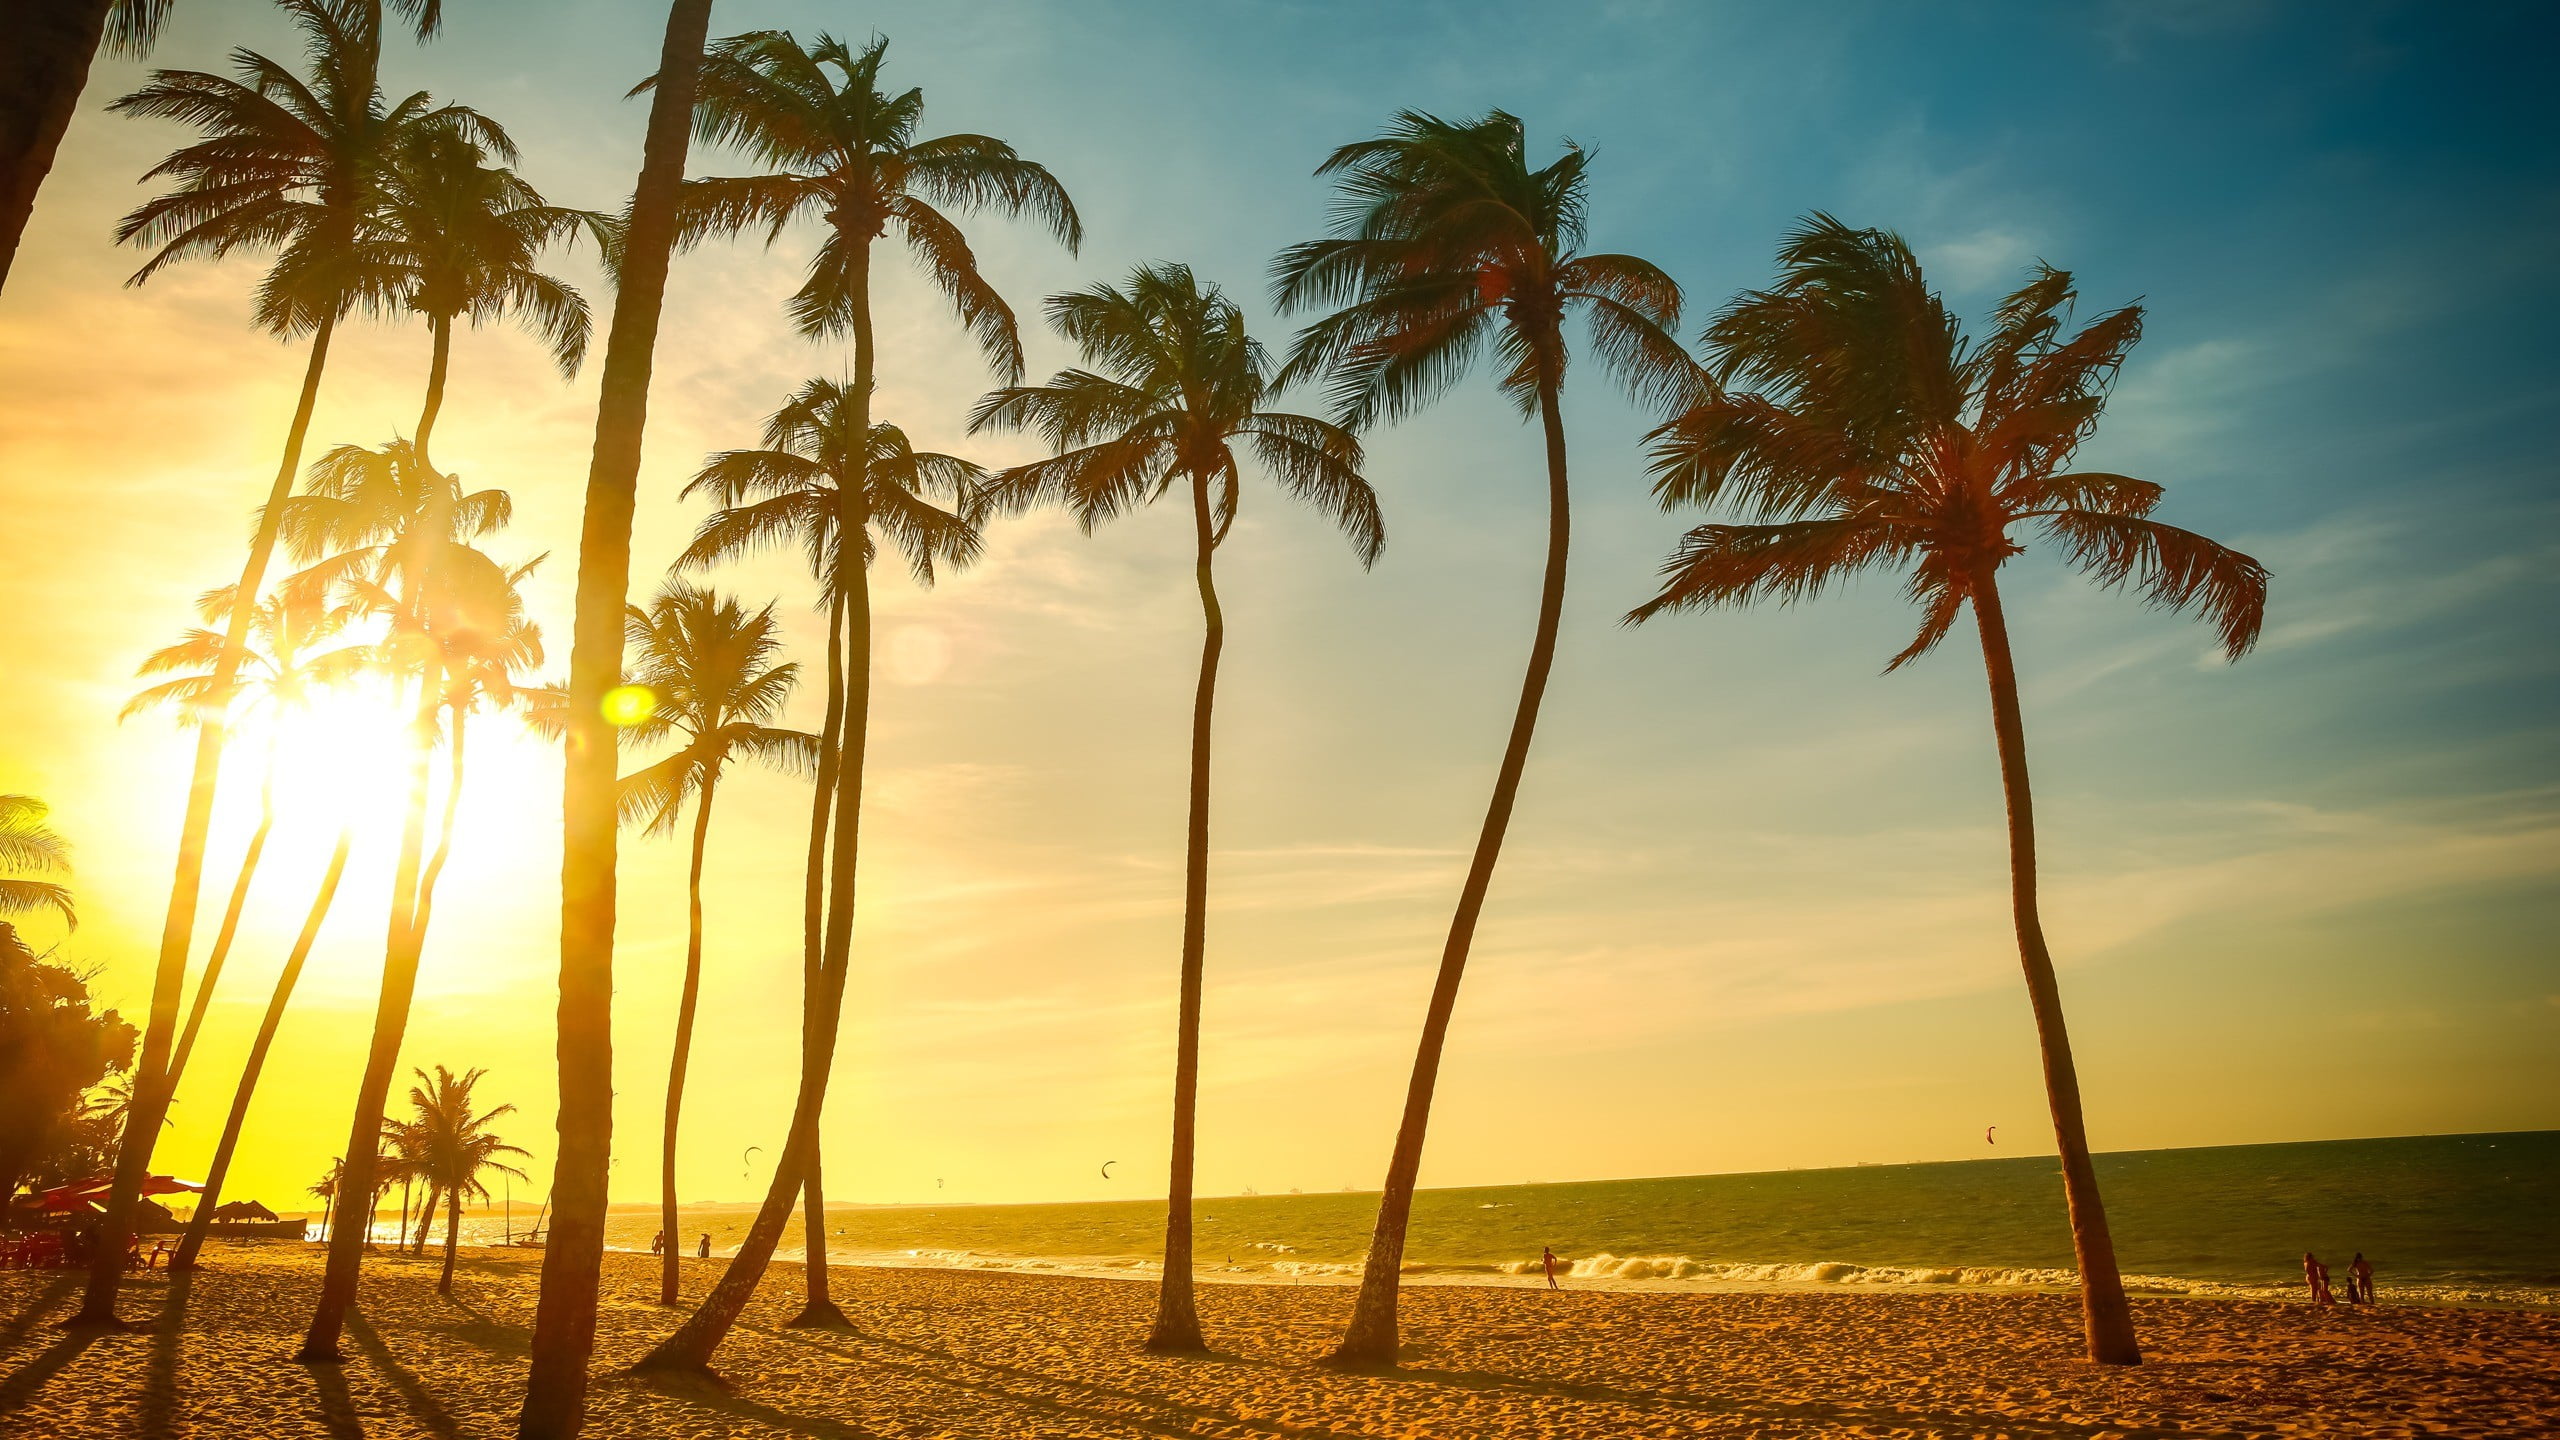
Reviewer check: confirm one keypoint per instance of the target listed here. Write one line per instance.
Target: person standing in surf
(1549, 1261)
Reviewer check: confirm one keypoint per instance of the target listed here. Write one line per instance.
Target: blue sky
(1752, 912)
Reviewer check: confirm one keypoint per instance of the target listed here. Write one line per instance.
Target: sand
(959, 1353)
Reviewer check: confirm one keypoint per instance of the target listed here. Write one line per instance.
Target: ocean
(2450, 1218)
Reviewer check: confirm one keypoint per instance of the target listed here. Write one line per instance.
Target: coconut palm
(289, 659)
(564, 1319)
(30, 851)
(712, 667)
(1446, 243)
(821, 445)
(291, 164)
(455, 1149)
(1854, 425)
(1177, 383)
(388, 523)
(458, 238)
(839, 149)
(45, 53)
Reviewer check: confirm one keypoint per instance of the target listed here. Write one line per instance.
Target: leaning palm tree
(1447, 242)
(46, 49)
(30, 852)
(839, 149)
(294, 165)
(1852, 423)
(458, 238)
(822, 447)
(290, 658)
(385, 521)
(564, 1319)
(1177, 382)
(712, 667)
(454, 1150)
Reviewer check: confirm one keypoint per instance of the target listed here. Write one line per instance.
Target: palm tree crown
(289, 657)
(1179, 381)
(1873, 432)
(1445, 240)
(711, 665)
(29, 851)
(789, 491)
(840, 149)
(452, 1145)
(287, 163)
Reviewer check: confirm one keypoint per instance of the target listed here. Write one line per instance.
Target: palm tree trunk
(1371, 1339)
(690, 1348)
(2104, 1312)
(818, 1309)
(390, 1025)
(684, 1036)
(564, 1322)
(177, 930)
(197, 1227)
(46, 47)
(1177, 1325)
(452, 1238)
(413, 1239)
(439, 363)
(230, 925)
(426, 902)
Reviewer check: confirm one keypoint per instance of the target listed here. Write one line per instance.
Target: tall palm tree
(1447, 242)
(290, 164)
(455, 1149)
(289, 659)
(712, 667)
(788, 493)
(30, 851)
(826, 447)
(1852, 423)
(389, 522)
(840, 150)
(46, 48)
(458, 238)
(564, 1320)
(1177, 382)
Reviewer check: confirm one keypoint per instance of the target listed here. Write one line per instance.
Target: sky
(1753, 910)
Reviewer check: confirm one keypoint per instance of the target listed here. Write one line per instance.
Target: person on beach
(2316, 1275)
(658, 1243)
(1549, 1261)
(702, 1251)
(2360, 1280)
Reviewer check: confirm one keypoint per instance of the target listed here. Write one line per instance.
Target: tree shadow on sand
(160, 1376)
(429, 1410)
(25, 1321)
(20, 1385)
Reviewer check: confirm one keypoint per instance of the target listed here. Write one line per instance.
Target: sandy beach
(959, 1354)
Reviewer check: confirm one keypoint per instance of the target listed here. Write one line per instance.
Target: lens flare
(629, 705)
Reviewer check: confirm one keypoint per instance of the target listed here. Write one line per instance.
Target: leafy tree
(1446, 243)
(1853, 425)
(53, 1049)
(1177, 385)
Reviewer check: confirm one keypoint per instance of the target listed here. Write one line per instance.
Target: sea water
(2452, 1218)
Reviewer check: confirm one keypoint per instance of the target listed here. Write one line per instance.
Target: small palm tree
(455, 1149)
(712, 667)
(825, 460)
(30, 851)
(1180, 384)
(564, 1321)
(1869, 431)
(838, 148)
(290, 658)
(1445, 243)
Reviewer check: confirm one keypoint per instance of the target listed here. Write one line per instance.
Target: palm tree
(1445, 242)
(712, 667)
(458, 239)
(285, 664)
(1870, 431)
(46, 48)
(29, 851)
(455, 1148)
(1180, 382)
(392, 525)
(564, 1320)
(294, 165)
(839, 149)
